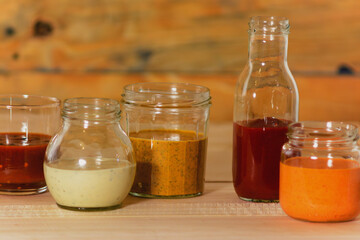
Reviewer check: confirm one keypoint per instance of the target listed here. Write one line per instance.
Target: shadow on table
(210, 188)
(131, 200)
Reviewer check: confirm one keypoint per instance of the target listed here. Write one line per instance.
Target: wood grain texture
(218, 214)
(204, 36)
(219, 199)
(321, 97)
(111, 85)
(197, 227)
(329, 98)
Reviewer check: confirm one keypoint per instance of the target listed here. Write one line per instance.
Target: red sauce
(256, 158)
(21, 160)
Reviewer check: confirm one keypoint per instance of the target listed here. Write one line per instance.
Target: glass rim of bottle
(26, 101)
(273, 25)
(166, 95)
(91, 108)
(323, 131)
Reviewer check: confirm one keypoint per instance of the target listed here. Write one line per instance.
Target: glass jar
(320, 172)
(167, 124)
(266, 101)
(89, 162)
(26, 125)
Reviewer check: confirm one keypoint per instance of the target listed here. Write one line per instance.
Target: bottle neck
(268, 48)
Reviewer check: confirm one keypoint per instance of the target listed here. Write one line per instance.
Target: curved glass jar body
(167, 124)
(320, 172)
(26, 126)
(89, 162)
(266, 101)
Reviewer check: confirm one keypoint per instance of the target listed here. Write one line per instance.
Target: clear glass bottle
(266, 101)
(167, 124)
(89, 163)
(320, 172)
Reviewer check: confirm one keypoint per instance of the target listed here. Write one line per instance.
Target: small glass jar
(26, 125)
(320, 172)
(89, 163)
(167, 124)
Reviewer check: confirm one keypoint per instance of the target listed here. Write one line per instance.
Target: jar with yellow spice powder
(167, 124)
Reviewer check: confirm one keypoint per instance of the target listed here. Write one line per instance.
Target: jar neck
(323, 135)
(91, 110)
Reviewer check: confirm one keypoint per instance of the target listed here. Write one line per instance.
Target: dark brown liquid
(21, 161)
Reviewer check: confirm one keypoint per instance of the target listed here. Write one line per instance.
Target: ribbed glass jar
(167, 124)
(320, 172)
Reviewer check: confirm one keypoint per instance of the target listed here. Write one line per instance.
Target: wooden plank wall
(68, 48)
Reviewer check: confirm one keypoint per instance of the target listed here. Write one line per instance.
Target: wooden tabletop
(217, 214)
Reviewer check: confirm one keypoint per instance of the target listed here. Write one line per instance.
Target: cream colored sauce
(95, 186)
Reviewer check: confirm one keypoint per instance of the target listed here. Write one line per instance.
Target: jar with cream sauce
(89, 163)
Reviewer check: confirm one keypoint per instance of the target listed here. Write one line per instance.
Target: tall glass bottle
(266, 101)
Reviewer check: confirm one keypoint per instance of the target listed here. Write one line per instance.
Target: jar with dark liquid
(266, 101)
(26, 126)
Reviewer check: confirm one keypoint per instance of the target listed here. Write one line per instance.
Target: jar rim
(328, 131)
(25, 101)
(269, 25)
(165, 94)
(91, 108)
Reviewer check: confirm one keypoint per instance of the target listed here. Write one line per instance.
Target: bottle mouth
(329, 132)
(166, 95)
(96, 109)
(269, 25)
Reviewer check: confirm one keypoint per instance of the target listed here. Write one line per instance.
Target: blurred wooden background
(70, 48)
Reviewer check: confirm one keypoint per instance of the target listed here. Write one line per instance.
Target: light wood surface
(217, 214)
(219, 199)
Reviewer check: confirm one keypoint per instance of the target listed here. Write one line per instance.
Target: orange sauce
(320, 190)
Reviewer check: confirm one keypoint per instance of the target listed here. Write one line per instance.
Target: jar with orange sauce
(320, 172)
